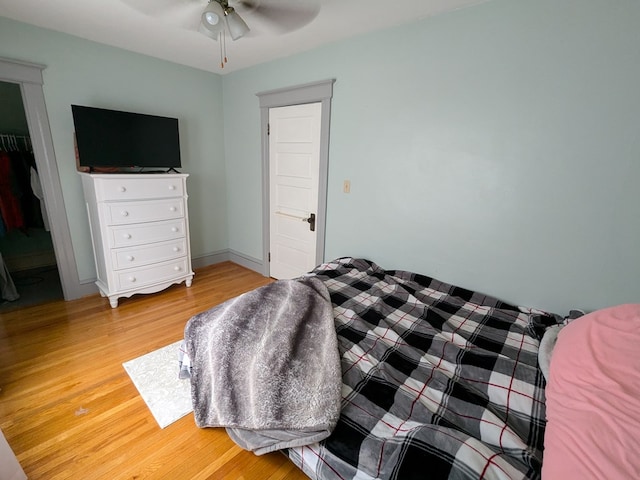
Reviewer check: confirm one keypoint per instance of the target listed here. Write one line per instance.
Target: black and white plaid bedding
(438, 382)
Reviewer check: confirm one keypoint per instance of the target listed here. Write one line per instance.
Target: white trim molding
(227, 255)
(29, 77)
(322, 92)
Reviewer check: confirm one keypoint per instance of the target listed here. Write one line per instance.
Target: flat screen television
(125, 141)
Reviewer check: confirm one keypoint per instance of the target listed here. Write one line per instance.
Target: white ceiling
(170, 33)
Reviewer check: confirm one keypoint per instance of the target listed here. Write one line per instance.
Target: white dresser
(140, 232)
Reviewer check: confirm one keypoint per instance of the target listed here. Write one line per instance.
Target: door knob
(311, 221)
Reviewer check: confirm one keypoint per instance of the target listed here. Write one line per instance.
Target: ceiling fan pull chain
(224, 43)
(220, 40)
(223, 49)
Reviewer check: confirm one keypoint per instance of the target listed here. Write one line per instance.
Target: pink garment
(593, 398)
(10, 208)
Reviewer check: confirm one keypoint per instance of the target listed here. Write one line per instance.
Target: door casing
(322, 92)
(29, 77)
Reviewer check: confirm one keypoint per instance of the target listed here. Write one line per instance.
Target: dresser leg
(188, 281)
(113, 301)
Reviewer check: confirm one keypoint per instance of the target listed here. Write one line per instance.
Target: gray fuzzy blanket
(265, 365)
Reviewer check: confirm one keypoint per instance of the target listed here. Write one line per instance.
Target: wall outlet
(346, 186)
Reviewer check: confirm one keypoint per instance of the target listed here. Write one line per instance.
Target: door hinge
(269, 257)
(268, 129)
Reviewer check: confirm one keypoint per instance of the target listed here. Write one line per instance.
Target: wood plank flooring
(69, 410)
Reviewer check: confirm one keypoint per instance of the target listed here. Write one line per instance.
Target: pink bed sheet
(593, 398)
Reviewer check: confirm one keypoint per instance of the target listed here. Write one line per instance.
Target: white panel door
(294, 162)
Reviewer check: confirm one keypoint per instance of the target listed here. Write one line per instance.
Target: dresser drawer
(147, 254)
(132, 188)
(130, 235)
(152, 274)
(119, 213)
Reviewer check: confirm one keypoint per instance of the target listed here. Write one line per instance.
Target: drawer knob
(172, 187)
(124, 213)
(173, 209)
(177, 268)
(126, 235)
(174, 229)
(132, 279)
(130, 258)
(122, 189)
(176, 249)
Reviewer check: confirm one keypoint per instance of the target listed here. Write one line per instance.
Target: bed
(436, 381)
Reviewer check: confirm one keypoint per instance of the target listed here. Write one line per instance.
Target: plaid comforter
(439, 382)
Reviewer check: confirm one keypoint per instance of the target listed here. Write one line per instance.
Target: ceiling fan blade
(278, 16)
(177, 13)
(149, 6)
(262, 16)
(186, 16)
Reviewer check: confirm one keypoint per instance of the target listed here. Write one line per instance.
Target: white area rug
(155, 375)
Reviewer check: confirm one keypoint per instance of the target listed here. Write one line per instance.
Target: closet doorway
(28, 262)
(29, 76)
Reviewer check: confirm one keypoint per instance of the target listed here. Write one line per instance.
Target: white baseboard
(228, 256)
(86, 287)
(246, 261)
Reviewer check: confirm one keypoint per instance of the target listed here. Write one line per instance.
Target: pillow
(593, 398)
(549, 339)
(547, 344)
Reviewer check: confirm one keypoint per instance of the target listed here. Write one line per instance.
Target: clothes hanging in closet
(19, 207)
(10, 208)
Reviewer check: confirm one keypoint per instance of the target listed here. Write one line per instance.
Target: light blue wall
(87, 73)
(495, 147)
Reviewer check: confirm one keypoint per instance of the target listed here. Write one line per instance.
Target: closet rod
(9, 141)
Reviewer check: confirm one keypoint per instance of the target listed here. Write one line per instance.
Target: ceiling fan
(219, 18)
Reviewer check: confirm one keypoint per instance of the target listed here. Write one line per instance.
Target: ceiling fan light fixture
(210, 18)
(217, 19)
(236, 26)
(205, 31)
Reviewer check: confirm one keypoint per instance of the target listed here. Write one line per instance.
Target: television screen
(111, 138)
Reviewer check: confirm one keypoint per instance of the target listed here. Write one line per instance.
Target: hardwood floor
(69, 410)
